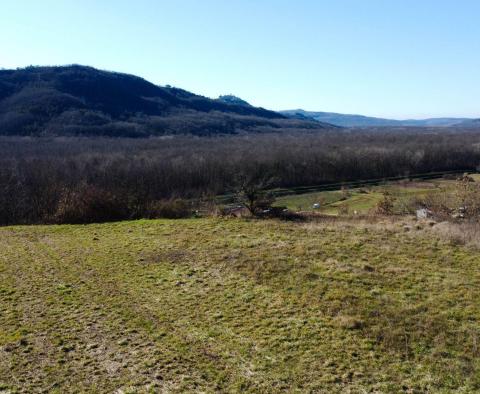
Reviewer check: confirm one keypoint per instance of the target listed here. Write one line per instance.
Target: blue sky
(402, 59)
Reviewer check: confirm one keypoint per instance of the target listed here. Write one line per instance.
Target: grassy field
(362, 200)
(217, 305)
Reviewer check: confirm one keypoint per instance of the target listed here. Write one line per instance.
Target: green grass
(361, 200)
(212, 305)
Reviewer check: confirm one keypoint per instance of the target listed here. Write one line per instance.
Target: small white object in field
(316, 205)
(423, 213)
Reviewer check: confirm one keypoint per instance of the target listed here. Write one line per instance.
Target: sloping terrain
(215, 305)
(348, 120)
(79, 100)
(470, 123)
(231, 99)
(364, 199)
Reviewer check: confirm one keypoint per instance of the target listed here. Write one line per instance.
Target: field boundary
(225, 198)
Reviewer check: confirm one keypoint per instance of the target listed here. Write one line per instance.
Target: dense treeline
(84, 180)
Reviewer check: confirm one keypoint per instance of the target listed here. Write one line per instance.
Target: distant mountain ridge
(347, 120)
(81, 100)
(470, 123)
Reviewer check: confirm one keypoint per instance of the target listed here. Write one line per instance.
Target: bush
(440, 204)
(468, 197)
(89, 204)
(385, 205)
(462, 203)
(344, 209)
(169, 209)
(281, 213)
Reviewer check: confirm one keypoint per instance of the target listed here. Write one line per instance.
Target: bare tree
(252, 192)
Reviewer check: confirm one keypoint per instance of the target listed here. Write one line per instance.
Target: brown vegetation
(84, 180)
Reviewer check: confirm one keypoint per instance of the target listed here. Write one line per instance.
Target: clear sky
(391, 58)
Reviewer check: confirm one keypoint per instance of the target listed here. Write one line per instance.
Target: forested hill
(80, 100)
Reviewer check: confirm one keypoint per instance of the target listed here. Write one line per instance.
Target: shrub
(281, 213)
(89, 204)
(169, 209)
(344, 209)
(440, 204)
(385, 205)
(468, 197)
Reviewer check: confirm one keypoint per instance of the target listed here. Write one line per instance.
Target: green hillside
(364, 200)
(215, 305)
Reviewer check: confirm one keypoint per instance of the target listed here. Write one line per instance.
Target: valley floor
(208, 305)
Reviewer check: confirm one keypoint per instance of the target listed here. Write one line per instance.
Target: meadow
(363, 200)
(237, 305)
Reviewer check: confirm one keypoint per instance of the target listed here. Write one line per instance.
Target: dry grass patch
(460, 233)
(214, 305)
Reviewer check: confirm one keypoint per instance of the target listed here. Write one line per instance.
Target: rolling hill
(347, 120)
(470, 123)
(80, 100)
